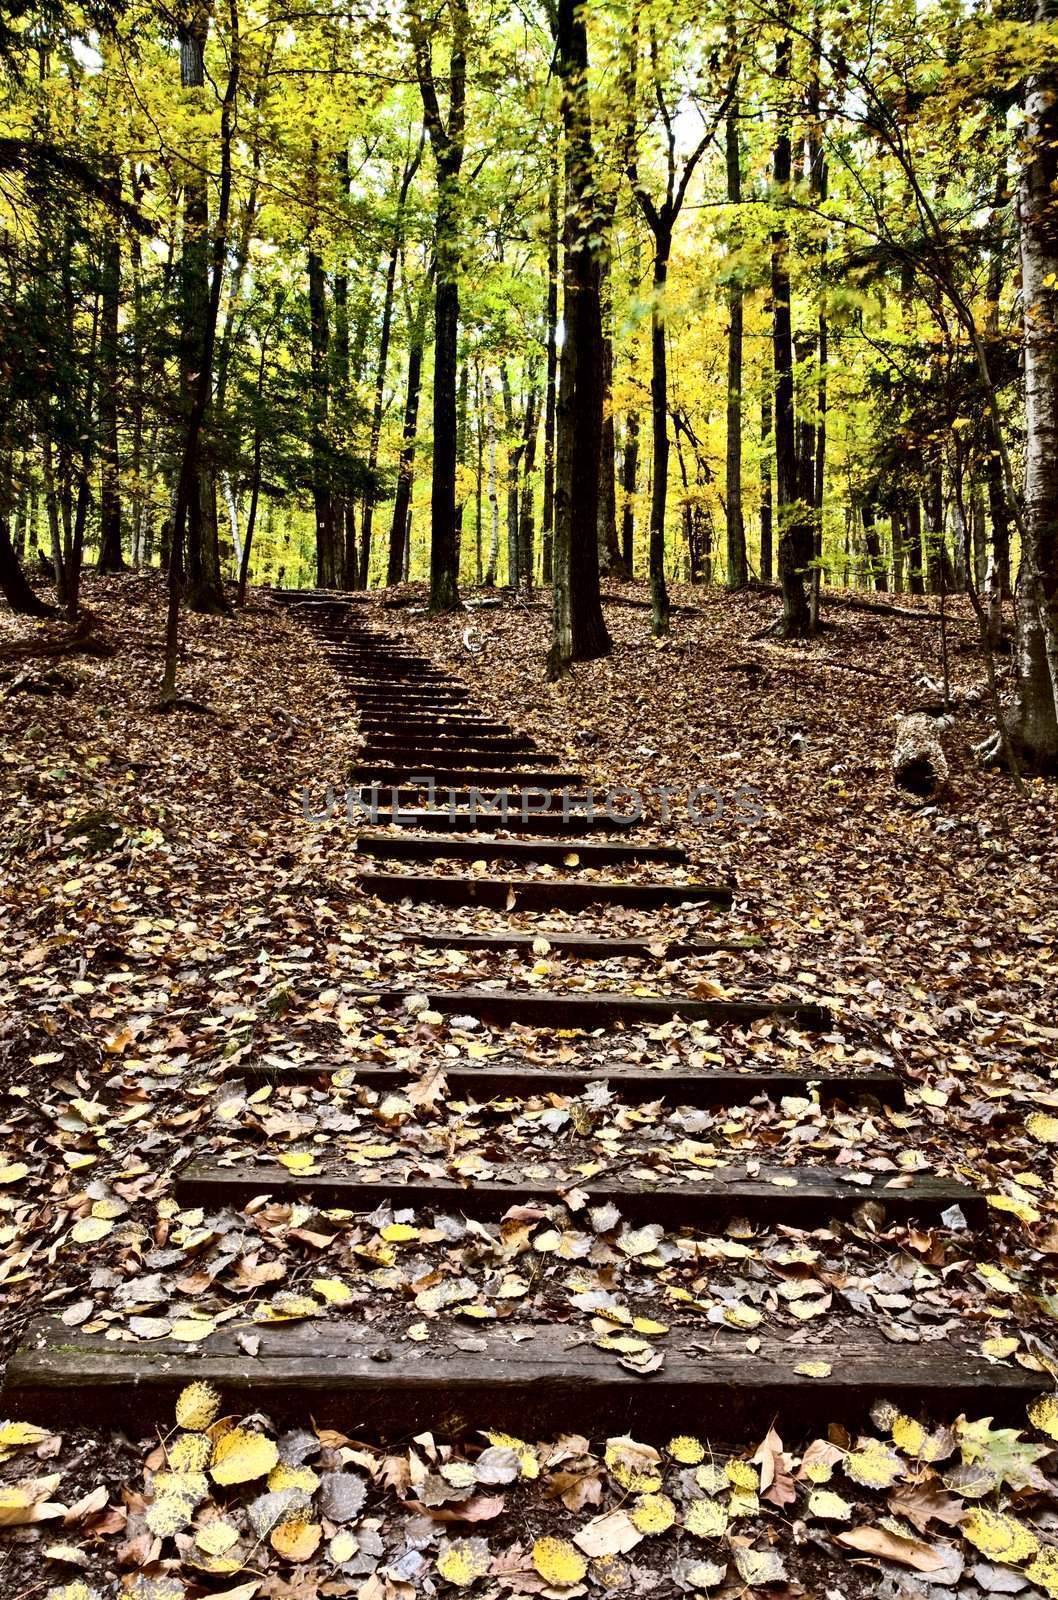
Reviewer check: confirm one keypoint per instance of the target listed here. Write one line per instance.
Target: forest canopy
(520, 295)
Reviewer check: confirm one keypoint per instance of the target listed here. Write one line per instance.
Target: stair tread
(532, 1378)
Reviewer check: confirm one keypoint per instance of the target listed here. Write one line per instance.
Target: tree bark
(737, 569)
(400, 526)
(578, 629)
(547, 519)
(319, 335)
(767, 554)
(204, 590)
(629, 476)
(14, 584)
(794, 528)
(447, 143)
(110, 557)
(1036, 725)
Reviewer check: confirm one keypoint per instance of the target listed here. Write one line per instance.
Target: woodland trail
(421, 725)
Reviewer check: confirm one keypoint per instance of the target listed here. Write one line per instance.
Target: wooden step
(531, 1379)
(516, 1081)
(536, 894)
(800, 1197)
(386, 697)
(589, 852)
(593, 946)
(485, 815)
(537, 1008)
(401, 721)
(455, 755)
(437, 742)
(488, 779)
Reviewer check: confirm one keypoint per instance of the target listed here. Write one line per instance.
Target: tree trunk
(1035, 730)
(14, 584)
(737, 570)
(526, 520)
(794, 530)
(873, 543)
(378, 406)
(547, 520)
(659, 411)
(204, 590)
(609, 549)
(110, 557)
(767, 555)
(326, 545)
(493, 489)
(629, 475)
(578, 629)
(514, 452)
(399, 531)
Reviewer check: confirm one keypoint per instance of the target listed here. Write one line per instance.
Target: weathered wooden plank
(484, 815)
(514, 1080)
(589, 852)
(802, 1197)
(539, 1008)
(598, 946)
(515, 780)
(437, 742)
(534, 894)
(528, 1379)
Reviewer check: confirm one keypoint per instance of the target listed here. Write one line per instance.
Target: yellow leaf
(527, 1457)
(169, 1514)
(558, 1562)
(198, 1407)
(653, 1513)
(22, 1503)
(687, 1450)
(333, 1290)
(296, 1540)
(814, 1369)
(343, 1547)
(1043, 1414)
(13, 1172)
(190, 1329)
(299, 1161)
(873, 1465)
(1042, 1127)
(825, 1503)
(287, 1477)
(90, 1230)
(706, 1519)
(908, 1435)
(191, 1453)
(400, 1233)
(16, 1435)
(999, 1537)
(463, 1561)
(1044, 1570)
(216, 1538)
(1019, 1206)
(999, 1347)
(634, 1466)
(241, 1456)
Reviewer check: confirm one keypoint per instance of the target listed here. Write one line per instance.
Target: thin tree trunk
(526, 519)
(110, 556)
(737, 569)
(447, 144)
(547, 521)
(204, 590)
(767, 554)
(400, 527)
(659, 411)
(629, 475)
(493, 488)
(578, 629)
(326, 563)
(794, 533)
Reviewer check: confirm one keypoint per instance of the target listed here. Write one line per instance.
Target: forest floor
(170, 911)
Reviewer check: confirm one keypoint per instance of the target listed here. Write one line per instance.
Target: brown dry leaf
(875, 1541)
